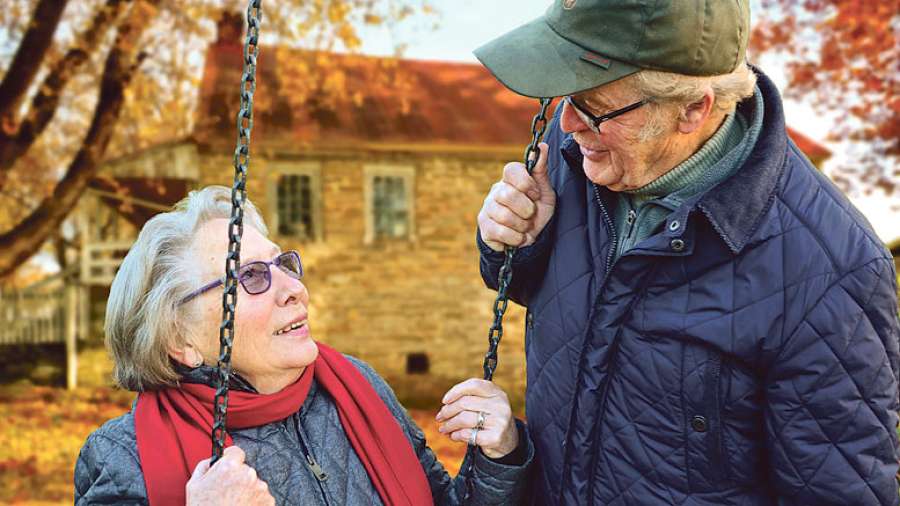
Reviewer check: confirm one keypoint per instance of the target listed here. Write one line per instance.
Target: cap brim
(535, 61)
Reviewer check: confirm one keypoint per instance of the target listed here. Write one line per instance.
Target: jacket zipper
(614, 346)
(612, 229)
(609, 263)
(311, 463)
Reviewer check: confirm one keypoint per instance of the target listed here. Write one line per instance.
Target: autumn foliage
(842, 56)
(43, 429)
(85, 80)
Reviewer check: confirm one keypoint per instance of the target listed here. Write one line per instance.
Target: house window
(389, 202)
(417, 363)
(296, 202)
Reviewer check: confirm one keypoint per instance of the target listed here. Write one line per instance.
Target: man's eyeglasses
(256, 277)
(593, 122)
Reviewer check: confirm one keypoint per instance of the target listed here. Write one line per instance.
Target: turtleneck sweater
(641, 212)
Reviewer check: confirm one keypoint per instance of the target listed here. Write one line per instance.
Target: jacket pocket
(529, 330)
(713, 402)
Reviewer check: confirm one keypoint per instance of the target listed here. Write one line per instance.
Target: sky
(464, 25)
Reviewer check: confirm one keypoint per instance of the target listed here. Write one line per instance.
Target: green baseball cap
(581, 44)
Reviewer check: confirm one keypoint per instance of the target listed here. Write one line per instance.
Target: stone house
(379, 196)
(379, 193)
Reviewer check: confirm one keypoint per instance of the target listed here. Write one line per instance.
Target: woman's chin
(298, 355)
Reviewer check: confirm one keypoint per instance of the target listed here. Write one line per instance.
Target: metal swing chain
(532, 153)
(235, 227)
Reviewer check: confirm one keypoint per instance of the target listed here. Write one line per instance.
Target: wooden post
(71, 330)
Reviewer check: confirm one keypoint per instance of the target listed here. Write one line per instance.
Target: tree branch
(35, 43)
(26, 237)
(44, 104)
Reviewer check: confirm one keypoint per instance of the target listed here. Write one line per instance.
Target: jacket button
(677, 245)
(673, 226)
(698, 423)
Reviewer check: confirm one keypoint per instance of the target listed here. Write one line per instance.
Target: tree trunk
(32, 49)
(26, 237)
(15, 142)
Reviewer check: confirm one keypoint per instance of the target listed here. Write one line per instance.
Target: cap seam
(701, 37)
(737, 54)
(640, 43)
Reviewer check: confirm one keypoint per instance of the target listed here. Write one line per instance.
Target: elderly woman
(308, 425)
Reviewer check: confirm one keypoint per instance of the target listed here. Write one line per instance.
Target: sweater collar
(692, 170)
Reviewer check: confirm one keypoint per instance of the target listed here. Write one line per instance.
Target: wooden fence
(46, 312)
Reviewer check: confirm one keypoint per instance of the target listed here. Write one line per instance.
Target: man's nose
(570, 121)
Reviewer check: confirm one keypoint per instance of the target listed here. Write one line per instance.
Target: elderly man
(710, 322)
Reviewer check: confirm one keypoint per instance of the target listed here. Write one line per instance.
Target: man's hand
(518, 206)
(229, 482)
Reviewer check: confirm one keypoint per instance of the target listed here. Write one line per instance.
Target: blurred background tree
(85, 79)
(843, 58)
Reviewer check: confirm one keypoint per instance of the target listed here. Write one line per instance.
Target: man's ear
(694, 115)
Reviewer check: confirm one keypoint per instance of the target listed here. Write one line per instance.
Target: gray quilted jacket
(108, 470)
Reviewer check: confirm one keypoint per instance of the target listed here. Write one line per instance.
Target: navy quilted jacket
(745, 354)
(108, 470)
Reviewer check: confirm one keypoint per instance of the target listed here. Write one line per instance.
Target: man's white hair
(681, 90)
(144, 316)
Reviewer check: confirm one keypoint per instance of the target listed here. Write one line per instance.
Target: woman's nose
(290, 290)
(570, 121)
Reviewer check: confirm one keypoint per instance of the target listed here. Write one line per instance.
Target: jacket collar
(206, 375)
(736, 206)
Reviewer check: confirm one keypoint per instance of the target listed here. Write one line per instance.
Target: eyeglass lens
(289, 262)
(585, 118)
(256, 276)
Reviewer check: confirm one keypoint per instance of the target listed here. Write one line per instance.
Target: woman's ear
(186, 354)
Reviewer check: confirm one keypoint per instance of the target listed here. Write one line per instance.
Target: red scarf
(174, 425)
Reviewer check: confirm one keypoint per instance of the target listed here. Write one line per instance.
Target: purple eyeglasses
(256, 277)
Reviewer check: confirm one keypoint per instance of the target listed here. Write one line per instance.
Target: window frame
(405, 172)
(313, 170)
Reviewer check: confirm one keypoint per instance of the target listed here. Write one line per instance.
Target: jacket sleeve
(832, 396)
(494, 483)
(108, 473)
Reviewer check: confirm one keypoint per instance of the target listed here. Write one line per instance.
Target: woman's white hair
(681, 90)
(144, 316)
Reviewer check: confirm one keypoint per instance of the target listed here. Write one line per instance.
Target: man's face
(617, 158)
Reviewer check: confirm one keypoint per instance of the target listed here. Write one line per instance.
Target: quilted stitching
(108, 468)
(801, 322)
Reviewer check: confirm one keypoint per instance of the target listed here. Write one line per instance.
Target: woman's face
(263, 353)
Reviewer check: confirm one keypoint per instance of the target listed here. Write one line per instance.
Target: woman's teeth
(289, 328)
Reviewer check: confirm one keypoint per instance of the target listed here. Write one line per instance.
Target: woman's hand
(473, 400)
(230, 481)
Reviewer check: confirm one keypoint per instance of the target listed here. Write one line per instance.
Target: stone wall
(387, 299)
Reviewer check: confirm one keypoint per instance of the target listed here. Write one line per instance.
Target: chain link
(532, 153)
(235, 227)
